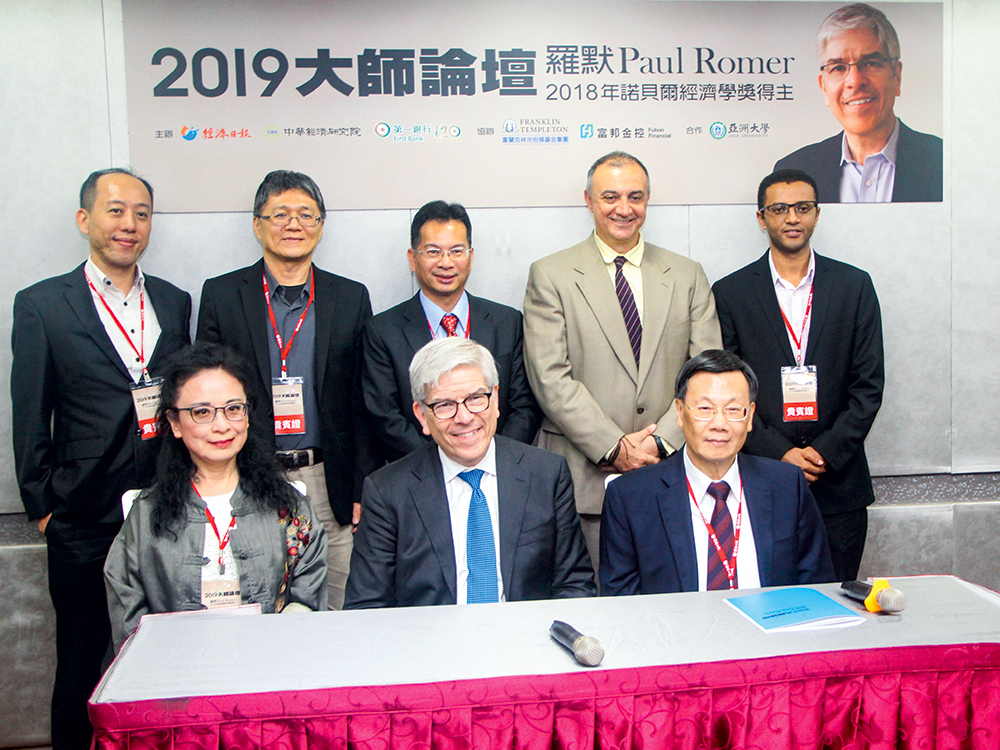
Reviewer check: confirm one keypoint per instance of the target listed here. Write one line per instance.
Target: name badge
(289, 406)
(798, 390)
(146, 399)
(220, 594)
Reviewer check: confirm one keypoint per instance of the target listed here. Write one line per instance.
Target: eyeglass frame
(715, 413)
(875, 60)
(460, 253)
(291, 217)
(215, 413)
(770, 209)
(433, 407)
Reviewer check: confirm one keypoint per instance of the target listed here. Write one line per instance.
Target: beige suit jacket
(580, 364)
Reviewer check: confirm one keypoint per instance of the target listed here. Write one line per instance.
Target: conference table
(680, 671)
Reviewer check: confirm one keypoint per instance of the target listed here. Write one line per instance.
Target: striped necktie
(629, 311)
(722, 522)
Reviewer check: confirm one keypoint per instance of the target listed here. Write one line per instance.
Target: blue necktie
(480, 552)
(629, 310)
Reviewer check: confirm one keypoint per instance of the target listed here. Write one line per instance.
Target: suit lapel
(513, 487)
(675, 513)
(79, 297)
(657, 291)
(822, 292)
(480, 325)
(325, 304)
(415, 327)
(763, 286)
(430, 499)
(759, 505)
(595, 285)
(255, 312)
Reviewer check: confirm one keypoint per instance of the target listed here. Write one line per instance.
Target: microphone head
(588, 651)
(892, 601)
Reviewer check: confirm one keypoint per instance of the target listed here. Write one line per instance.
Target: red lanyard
(468, 320)
(282, 347)
(805, 320)
(141, 351)
(727, 563)
(223, 540)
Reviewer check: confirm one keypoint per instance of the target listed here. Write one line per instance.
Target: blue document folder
(797, 608)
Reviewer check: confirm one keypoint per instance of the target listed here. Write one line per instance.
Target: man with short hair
(876, 159)
(87, 347)
(474, 516)
(301, 327)
(811, 329)
(440, 257)
(712, 518)
(607, 325)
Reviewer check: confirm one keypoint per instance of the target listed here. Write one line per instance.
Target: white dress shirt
(459, 499)
(871, 182)
(793, 299)
(747, 573)
(126, 308)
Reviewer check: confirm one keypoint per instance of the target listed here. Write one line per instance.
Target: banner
(392, 104)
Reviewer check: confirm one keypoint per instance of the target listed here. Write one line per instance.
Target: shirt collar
(633, 256)
(272, 283)
(107, 286)
(434, 313)
(452, 468)
(700, 481)
(888, 151)
(807, 280)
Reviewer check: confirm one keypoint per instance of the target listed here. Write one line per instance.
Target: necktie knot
(449, 323)
(472, 477)
(720, 491)
(619, 261)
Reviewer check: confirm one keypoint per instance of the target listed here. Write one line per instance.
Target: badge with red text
(798, 390)
(146, 398)
(289, 406)
(219, 594)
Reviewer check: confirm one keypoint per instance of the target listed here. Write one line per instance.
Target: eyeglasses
(283, 219)
(474, 404)
(802, 208)
(705, 413)
(875, 65)
(436, 253)
(235, 412)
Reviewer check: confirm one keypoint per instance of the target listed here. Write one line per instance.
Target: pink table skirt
(923, 698)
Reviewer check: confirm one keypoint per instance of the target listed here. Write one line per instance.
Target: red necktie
(722, 522)
(449, 322)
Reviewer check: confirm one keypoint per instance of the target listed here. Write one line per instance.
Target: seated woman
(221, 525)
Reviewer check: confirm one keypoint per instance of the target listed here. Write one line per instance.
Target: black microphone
(877, 596)
(587, 650)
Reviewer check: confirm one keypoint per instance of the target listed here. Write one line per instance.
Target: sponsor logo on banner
(718, 130)
(188, 134)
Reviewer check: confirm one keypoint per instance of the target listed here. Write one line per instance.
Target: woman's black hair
(261, 478)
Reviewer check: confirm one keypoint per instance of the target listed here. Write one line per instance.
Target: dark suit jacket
(647, 543)
(919, 166)
(77, 445)
(403, 551)
(845, 344)
(393, 337)
(233, 312)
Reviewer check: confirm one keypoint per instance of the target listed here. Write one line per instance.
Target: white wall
(62, 115)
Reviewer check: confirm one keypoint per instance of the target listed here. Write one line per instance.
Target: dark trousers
(83, 631)
(846, 534)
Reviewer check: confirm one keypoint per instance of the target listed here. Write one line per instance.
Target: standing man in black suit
(440, 257)
(473, 516)
(87, 347)
(301, 326)
(810, 327)
(876, 159)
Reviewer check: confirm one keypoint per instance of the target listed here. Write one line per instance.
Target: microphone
(877, 596)
(587, 650)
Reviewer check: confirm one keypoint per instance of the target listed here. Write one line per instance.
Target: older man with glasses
(811, 329)
(301, 327)
(708, 517)
(472, 517)
(876, 159)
